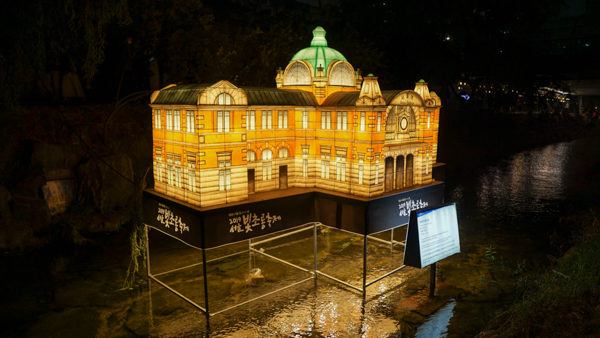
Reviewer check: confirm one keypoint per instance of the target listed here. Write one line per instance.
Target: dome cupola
(318, 55)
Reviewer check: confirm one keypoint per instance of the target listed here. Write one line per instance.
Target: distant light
(465, 96)
(587, 44)
(447, 37)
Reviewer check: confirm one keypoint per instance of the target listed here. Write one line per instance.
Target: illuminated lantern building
(323, 127)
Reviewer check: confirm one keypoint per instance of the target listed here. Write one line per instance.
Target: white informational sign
(438, 234)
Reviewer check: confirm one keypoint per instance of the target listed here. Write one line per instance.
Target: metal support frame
(251, 249)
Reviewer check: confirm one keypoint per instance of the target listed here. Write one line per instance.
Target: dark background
(118, 47)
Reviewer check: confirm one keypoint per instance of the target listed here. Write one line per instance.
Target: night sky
(118, 47)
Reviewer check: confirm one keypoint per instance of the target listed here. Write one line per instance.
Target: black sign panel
(173, 218)
(392, 211)
(233, 223)
(341, 212)
(412, 253)
(432, 235)
(236, 223)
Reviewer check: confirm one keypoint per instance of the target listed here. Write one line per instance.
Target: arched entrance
(409, 169)
(389, 174)
(399, 172)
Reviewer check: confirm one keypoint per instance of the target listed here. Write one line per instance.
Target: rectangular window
(428, 120)
(191, 172)
(223, 118)
(177, 174)
(267, 119)
(157, 119)
(340, 169)
(224, 176)
(189, 121)
(378, 121)
(176, 120)
(169, 120)
(363, 122)
(304, 120)
(282, 119)
(324, 168)
(191, 176)
(267, 171)
(361, 172)
(326, 120)
(251, 120)
(158, 168)
(342, 120)
(305, 167)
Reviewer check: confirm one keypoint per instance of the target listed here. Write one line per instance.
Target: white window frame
(267, 168)
(266, 155)
(340, 169)
(224, 176)
(361, 171)
(282, 119)
(342, 120)
(326, 120)
(267, 119)
(224, 99)
(305, 167)
(304, 119)
(158, 169)
(378, 121)
(157, 121)
(169, 120)
(176, 120)
(177, 170)
(191, 177)
(250, 156)
(325, 167)
(283, 153)
(223, 121)
(251, 120)
(363, 121)
(190, 124)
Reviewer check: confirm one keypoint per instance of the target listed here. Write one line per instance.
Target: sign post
(432, 236)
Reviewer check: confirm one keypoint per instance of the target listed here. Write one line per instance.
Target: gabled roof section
(279, 97)
(341, 99)
(186, 94)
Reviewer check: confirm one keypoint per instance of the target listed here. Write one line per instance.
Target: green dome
(318, 54)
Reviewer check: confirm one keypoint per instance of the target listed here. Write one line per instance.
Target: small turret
(279, 77)
(422, 89)
(370, 93)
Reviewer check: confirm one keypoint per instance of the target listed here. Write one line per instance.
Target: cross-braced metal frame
(313, 273)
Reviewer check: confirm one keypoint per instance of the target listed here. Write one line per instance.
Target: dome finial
(319, 37)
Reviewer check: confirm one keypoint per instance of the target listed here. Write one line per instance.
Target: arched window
(267, 155)
(250, 156)
(283, 153)
(224, 99)
(342, 74)
(297, 74)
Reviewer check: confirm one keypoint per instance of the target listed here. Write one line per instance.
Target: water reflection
(527, 182)
(437, 324)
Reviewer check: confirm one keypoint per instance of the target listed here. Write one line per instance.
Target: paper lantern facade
(323, 127)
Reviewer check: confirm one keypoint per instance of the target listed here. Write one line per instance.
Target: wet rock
(255, 276)
(77, 322)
